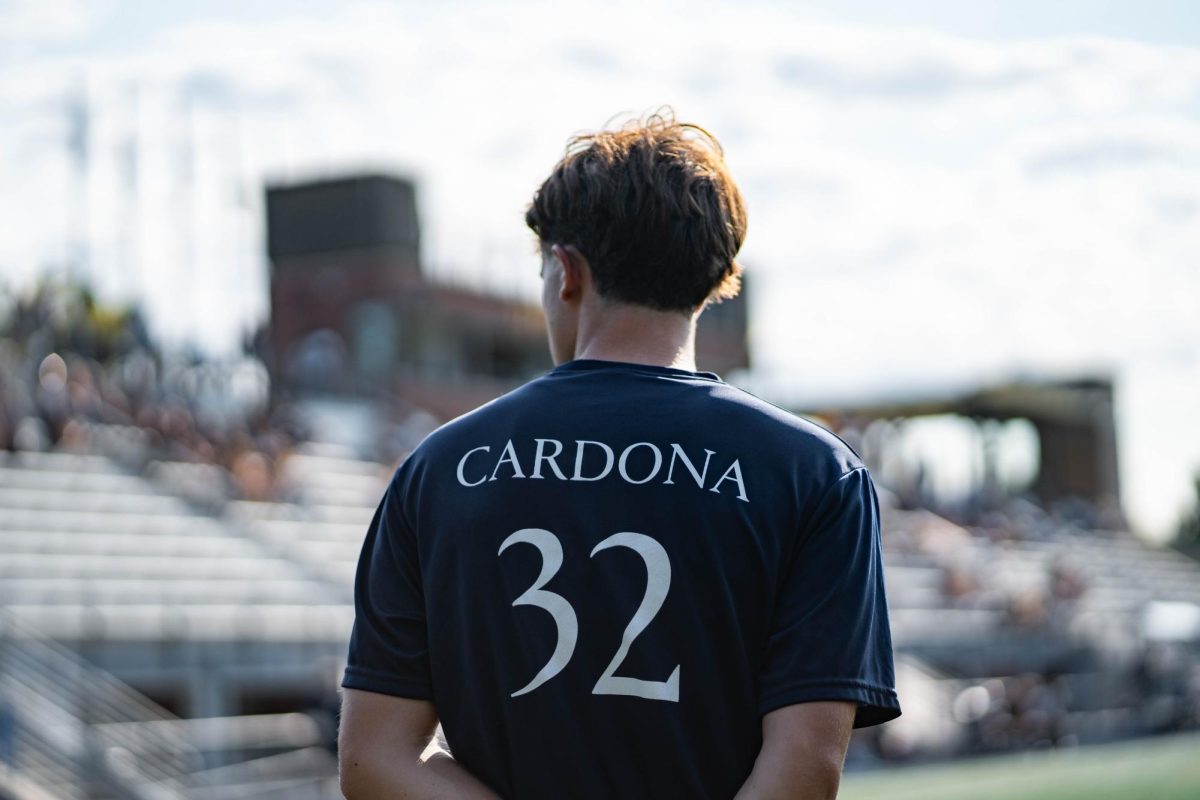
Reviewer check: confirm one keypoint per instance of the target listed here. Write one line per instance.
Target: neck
(638, 335)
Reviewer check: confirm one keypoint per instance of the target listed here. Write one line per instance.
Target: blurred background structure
(239, 290)
(353, 311)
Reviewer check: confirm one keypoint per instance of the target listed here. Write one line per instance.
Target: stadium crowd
(75, 374)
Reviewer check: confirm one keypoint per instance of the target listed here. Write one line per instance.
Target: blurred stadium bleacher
(177, 559)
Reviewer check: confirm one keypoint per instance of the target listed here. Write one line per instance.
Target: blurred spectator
(959, 585)
(70, 367)
(1028, 609)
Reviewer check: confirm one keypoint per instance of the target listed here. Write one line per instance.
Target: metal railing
(59, 730)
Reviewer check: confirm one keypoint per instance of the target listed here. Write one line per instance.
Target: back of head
(652, 208)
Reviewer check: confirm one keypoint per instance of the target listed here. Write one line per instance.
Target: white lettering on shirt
(539, 457)
(608, 464)
(625, 457)
(545, 453)
(462, 462)
(508, 457)
(736, 469)
(676, 450)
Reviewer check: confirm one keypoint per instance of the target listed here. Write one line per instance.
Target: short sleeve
(829, 636)
(389, 650)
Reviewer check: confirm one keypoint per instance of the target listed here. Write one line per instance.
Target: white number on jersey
(658, 582)
(564, 616)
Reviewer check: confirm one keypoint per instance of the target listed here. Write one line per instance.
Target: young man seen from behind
(626, 578)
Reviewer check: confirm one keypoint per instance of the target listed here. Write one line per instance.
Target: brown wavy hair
(652, 208)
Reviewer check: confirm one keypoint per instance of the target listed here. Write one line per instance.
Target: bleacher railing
(57, 730)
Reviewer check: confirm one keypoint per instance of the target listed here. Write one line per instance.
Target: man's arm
(803, 750)
(385, 751)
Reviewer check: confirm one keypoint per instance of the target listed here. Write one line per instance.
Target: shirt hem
(876, 704)
(366, 680)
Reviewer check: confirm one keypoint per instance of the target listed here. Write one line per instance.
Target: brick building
(352, 311)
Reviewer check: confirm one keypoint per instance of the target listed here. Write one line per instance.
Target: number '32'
(658, 581)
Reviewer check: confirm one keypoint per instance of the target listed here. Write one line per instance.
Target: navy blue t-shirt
(606, 577)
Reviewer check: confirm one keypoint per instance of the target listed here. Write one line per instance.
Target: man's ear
(573, 266)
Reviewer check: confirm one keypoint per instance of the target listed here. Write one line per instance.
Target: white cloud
(25, 22)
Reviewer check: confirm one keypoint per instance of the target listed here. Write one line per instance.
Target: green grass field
(1149, 769)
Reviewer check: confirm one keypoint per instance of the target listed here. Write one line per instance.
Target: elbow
(811, 778)
(346, 787)
(369, 772)
(804, 748)
(356, 770)
(816, 777)
(825, 778)
(350, 768)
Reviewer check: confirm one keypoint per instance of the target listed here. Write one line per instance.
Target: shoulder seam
(839, 479)
(825, 494)
(830, 431)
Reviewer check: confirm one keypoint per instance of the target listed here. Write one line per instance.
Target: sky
(940, 194)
